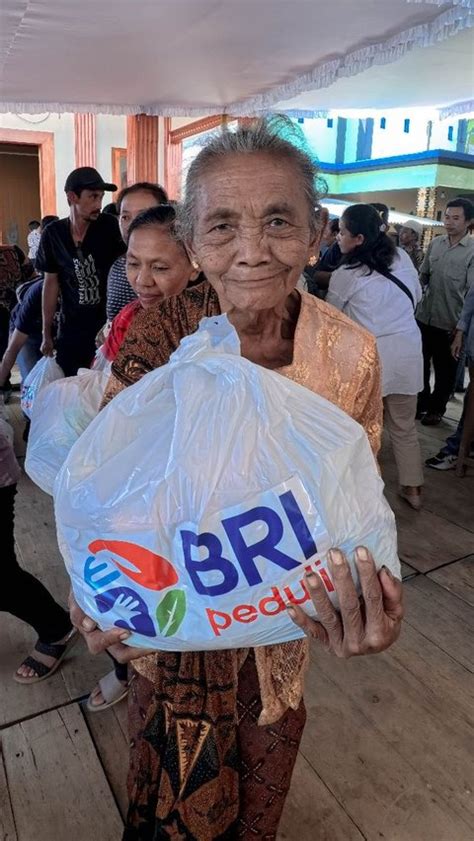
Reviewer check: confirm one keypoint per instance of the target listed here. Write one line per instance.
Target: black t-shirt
(82, 271)
(331, 259)
(26, 316)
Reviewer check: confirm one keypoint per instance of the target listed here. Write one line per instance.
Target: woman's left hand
(98, 641)
(363, 625)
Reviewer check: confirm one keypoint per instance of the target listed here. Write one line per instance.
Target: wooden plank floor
(387, 751)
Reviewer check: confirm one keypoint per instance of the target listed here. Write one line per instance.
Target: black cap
(87, 178)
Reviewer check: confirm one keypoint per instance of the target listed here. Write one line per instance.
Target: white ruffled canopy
(197, 57)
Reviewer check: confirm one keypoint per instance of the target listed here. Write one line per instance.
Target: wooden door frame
(44, 140)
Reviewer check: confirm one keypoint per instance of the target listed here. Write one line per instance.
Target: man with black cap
(75, 255)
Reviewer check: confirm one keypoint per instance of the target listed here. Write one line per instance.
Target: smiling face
(252, 235)
(157, 265)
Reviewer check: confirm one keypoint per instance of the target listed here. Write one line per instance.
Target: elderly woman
(214, 735)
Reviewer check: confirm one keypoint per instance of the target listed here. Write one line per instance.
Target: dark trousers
(437, 351)
(21, 594)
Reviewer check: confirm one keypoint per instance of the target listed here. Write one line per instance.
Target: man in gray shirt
(446, 274)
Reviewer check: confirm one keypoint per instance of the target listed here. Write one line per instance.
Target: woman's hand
(363, 626)
(456, 346)
(98, 641)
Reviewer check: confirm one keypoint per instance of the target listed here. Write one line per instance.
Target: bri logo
(240, 564)
(245, 548)
(146, 568)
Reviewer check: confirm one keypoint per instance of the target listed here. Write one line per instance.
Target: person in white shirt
(33, 238)
(377, 286)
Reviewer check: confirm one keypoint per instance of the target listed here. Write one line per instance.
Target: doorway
(20, 195)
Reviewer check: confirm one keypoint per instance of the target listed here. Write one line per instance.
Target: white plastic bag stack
(44, 372)
(62, 411)
(192, 506)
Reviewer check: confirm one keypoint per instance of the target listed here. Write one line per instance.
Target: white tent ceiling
(238, 56)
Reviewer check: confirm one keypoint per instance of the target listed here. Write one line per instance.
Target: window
(330, 122)
(450, 132)
(383, 122)
(301, 120)
(406, 126)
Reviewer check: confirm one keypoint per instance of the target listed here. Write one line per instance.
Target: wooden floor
(387, 751)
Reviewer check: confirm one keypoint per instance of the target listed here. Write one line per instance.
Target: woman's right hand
(47, 346)
(456, 345)
(98, 641)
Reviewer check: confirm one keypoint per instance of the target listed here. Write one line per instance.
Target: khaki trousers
(399, 421)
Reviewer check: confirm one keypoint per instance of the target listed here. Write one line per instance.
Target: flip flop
(56, 650)
(112, 690)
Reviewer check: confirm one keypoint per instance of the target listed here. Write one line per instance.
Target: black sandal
(56, 650)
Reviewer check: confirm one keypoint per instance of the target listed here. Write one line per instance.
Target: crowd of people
(249, 231)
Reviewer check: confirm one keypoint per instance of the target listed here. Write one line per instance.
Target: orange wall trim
(84, 139)
(173, 163)
(142, 148)
(47, 164)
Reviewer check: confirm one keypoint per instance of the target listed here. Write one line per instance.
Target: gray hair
(262, 135)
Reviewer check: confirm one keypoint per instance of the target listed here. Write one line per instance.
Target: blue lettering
(266, 548)
(298, 524)
(213, 563)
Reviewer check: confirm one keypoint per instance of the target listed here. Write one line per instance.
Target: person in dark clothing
(75, 255)
(22, 594)
(319, 275)
(10, 278)
(25, 332)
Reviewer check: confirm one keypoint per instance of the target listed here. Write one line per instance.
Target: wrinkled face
(88, 204)
(131, 206)
(157, 266)
(252, 236)
(347, 242)
(455, 221)
(407, 237)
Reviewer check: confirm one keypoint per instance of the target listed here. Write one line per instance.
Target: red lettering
(292, 598)
(245, 613)
(323, 574)
(275, 599)
(214, 616)
(326, 580)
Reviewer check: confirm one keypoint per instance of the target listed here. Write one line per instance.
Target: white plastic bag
(101, 363)
(192, 506)
(62, 411)
(44, 372)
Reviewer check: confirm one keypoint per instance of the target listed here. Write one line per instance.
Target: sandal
(113, 691)
(58, 650)
(412, 495)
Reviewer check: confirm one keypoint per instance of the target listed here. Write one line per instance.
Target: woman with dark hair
(157, 267)
(131, 201)
(377, 285)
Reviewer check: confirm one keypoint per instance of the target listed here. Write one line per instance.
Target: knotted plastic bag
(191, 507)
(62, 411)
(42, 374)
